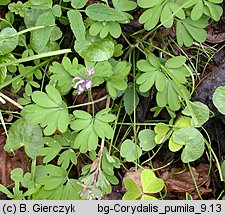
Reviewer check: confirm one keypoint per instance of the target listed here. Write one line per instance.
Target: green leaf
(172, 97)
(95, 28)
(130, 99)
(147, 139)
(66, 157)
(51, 151)
(197, 10)
(112, 179)
(80, 124)
(130, 151)
(52, 177)
(71, 190)
(8, 40)
(115, 29)
(101, 12)
(219, 99)
(176, 62)
(86, 140)
(193, 141)
(103, 129)
(188, 30)
(153, 60)
(39, 38)
(215, 10)
(162, 132)
(63, 73)
(124, 5)
(17, 174)
(77, 25)
(5, 2)
(160, 81)
(150, 17)
(82, 115)
(148, 4)
(200, 111)
(104, 31)
(167, 16)
(78, 3)
(150, 183)
(104, 116)
(107, 167)
(222, 169)
(54, 116)
(39, 4)
(197, 34)
(147, 197)
(5, 190)
(144, 65)
(146, 81)
(44, 100)
(177, 10)
(21, 133)
(183, 37)
(95, 48)
(133, 191)
(56, 10)
(174, 147)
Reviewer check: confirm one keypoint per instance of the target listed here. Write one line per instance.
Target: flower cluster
(83, 84)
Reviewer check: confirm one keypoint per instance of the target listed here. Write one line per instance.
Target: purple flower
(90, 71)
(83, 84)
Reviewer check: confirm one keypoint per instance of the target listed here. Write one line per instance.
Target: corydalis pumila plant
(83, 83)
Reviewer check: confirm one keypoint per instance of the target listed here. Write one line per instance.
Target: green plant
(169, 78)
(190, 17)
(80, 111)
(150, 185)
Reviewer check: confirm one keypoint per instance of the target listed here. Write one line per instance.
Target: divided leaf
(52, 177)
(49, 110)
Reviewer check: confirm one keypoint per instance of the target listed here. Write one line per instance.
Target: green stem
(194, 181)
(216, 159)
(24, 74)
(34, 57)
(114, 129)
(183, 94)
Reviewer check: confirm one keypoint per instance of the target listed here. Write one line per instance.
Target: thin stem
(216, 159)
(23, 74)
(90, 99)
(34, 57)
(194, 181)
(88, 103)
(10, 100)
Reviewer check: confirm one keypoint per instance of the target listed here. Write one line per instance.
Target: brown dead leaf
(179, 180)
(10, 161)
(215, 37)
(134, 175)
